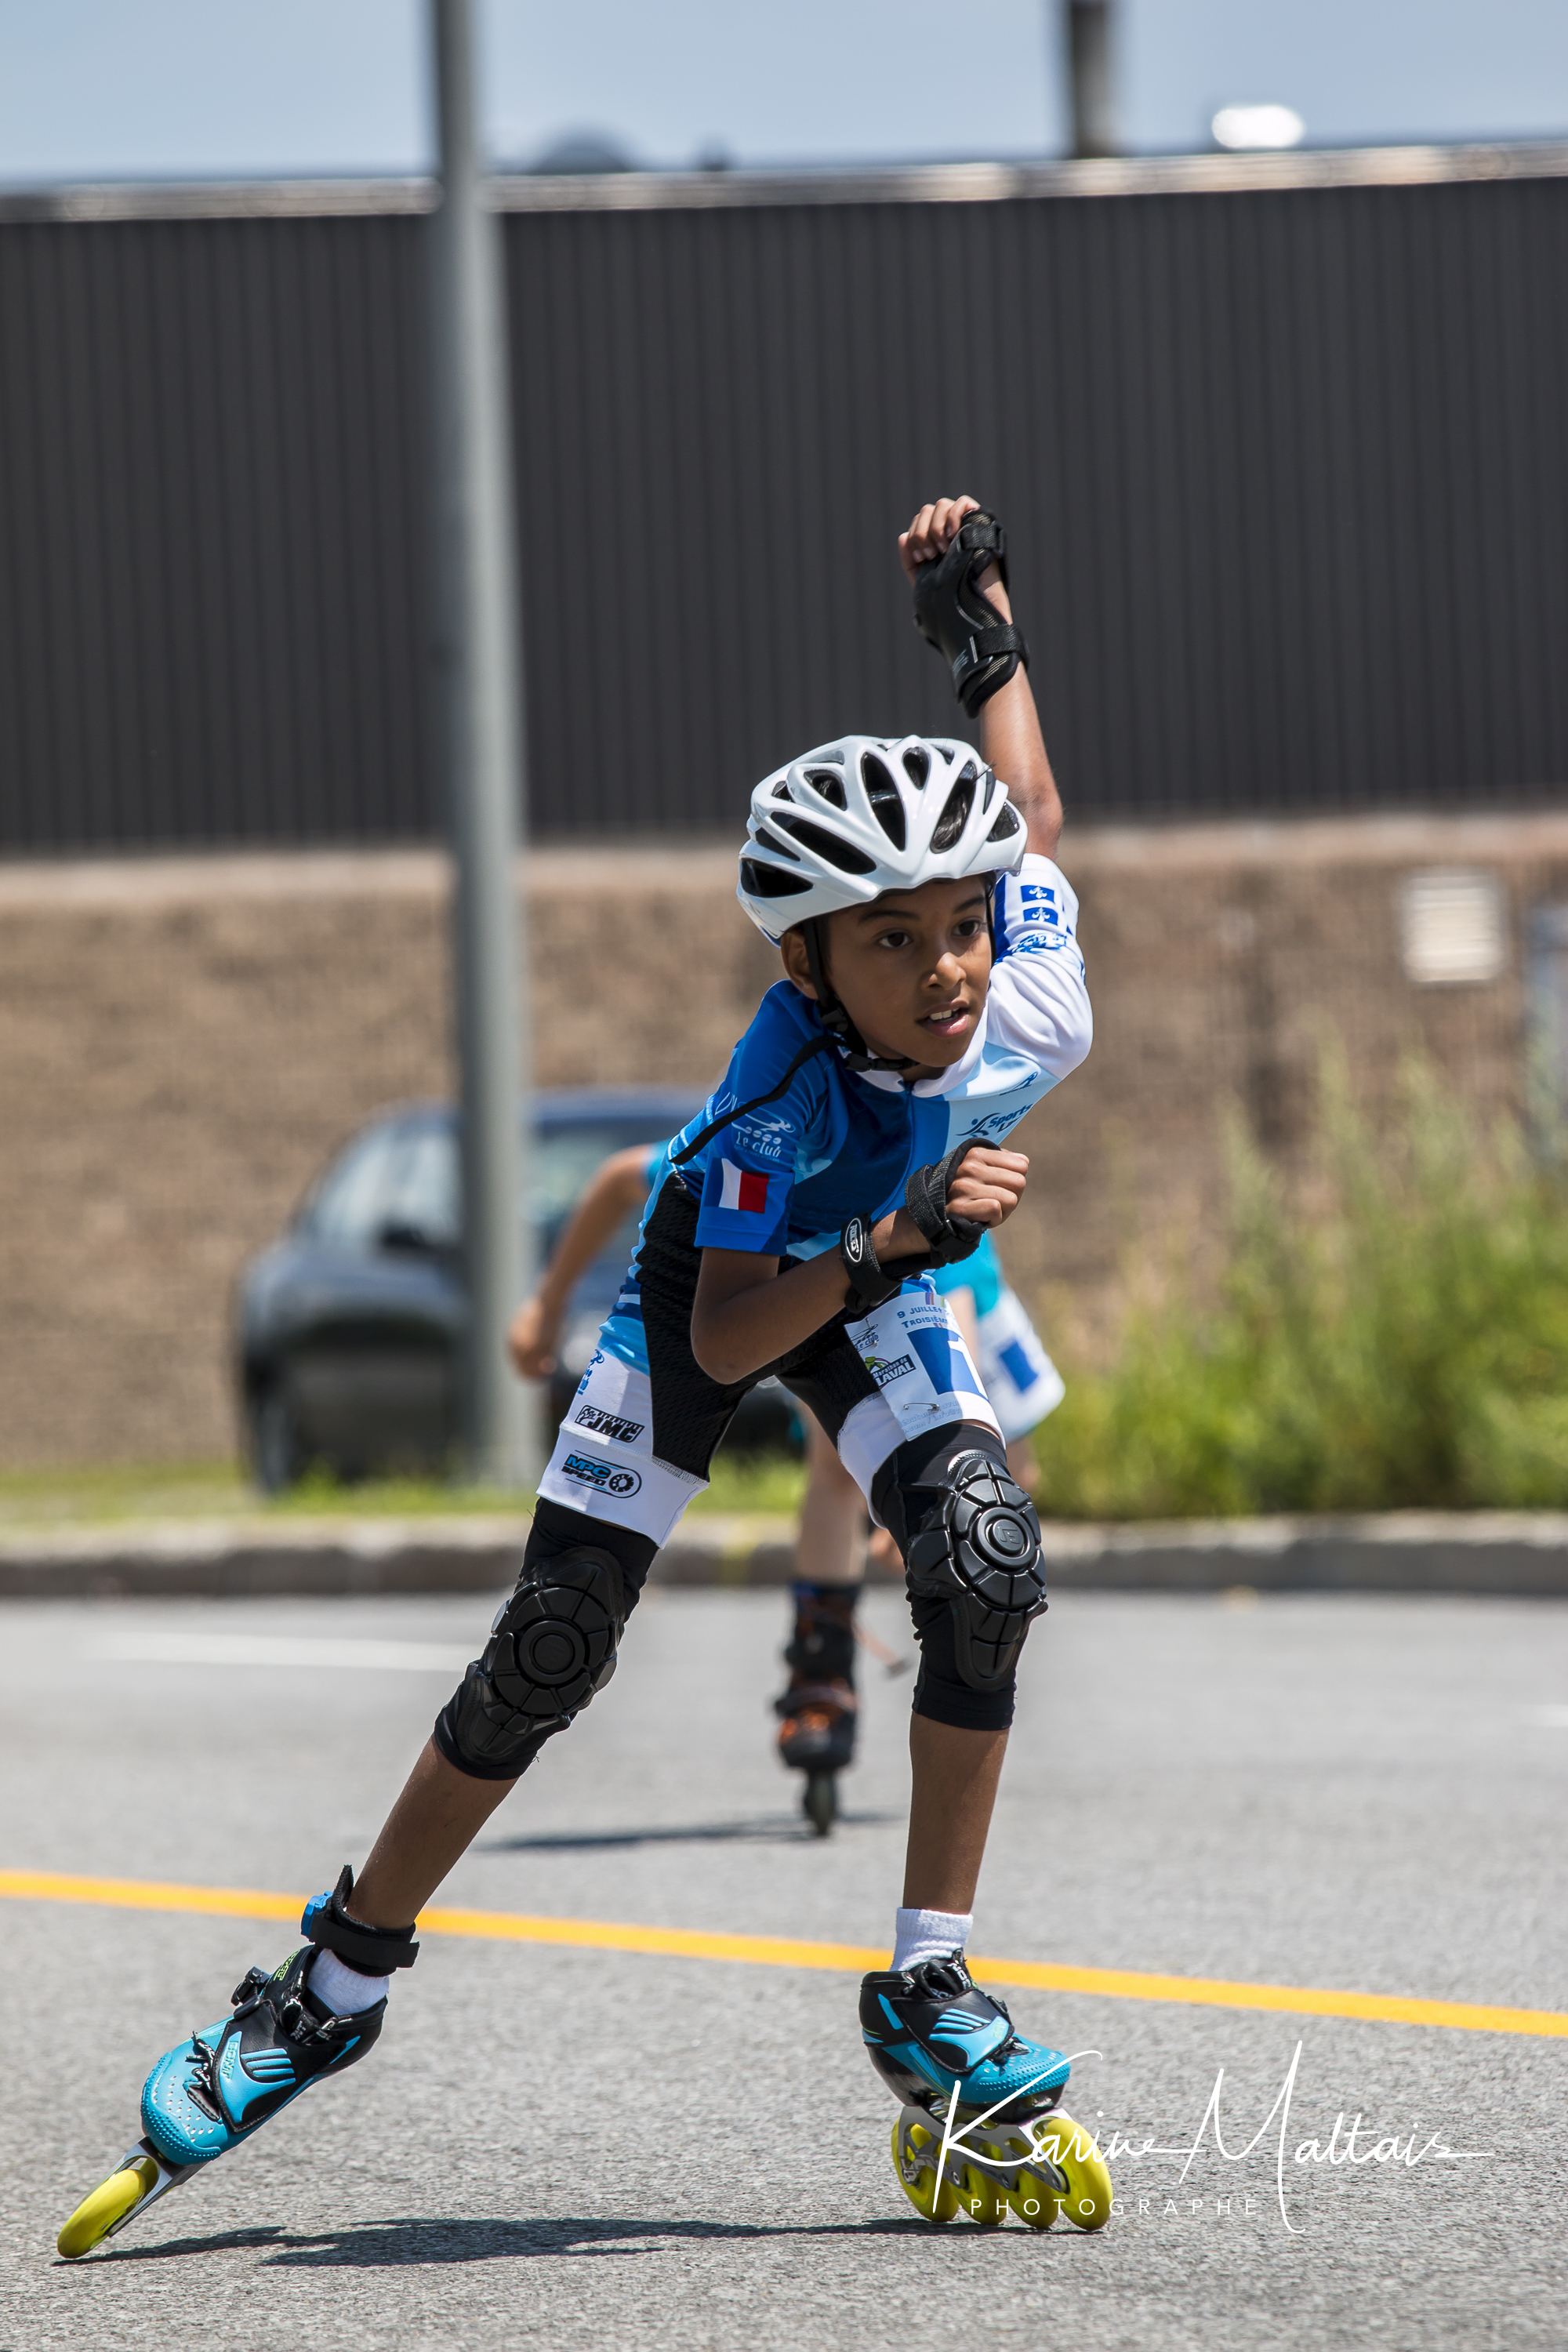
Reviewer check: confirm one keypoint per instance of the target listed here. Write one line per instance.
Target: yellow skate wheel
(1035, 2201)
(916, 2148)
(1087, 2198)
(981, 2198)
(1033, 2195)
(110, 2204)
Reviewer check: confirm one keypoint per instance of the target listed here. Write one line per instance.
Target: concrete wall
(183, 1041)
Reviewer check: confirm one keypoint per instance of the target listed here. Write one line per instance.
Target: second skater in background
(818, 1709)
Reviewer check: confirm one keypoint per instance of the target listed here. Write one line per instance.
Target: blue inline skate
(213, 2090)
(981, 2130)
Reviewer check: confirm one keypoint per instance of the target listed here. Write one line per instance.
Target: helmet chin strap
(833, 1016)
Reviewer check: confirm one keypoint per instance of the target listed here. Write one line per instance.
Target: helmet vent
(780, 791)
(831, 788)
(883, 795)
(828, 845)
(1006, 823)
(955, 815)
(769, 881)
(770, 840)
(917, 766)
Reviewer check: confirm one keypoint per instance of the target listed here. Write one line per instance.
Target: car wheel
(276, 1454)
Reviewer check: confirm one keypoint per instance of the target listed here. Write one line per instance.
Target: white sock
(344, 1990)
(929, 1936)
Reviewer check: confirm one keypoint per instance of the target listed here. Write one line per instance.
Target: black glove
(871, 1284)
(925, 1198)
(950, 614)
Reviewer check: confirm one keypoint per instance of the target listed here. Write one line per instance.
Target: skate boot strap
(297, 2012)
(805, 1694)
(375, 1952)
(950, 1978)
(820, 1647)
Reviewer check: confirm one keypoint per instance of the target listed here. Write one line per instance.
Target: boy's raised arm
(1010, 734)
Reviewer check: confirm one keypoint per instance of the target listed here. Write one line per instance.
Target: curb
(233, 1559)
(1522, 1554)
(1519, 1554)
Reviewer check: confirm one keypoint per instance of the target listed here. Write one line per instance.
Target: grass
(122, 1491)
(754, 1482)
(197, 1490)
(108, 1493)
(1392, 1333)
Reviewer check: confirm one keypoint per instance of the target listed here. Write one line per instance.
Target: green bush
(1392, 1333)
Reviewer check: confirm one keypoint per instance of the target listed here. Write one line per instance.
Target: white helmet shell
(842, 824)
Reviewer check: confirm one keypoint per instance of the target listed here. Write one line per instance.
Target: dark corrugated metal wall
(212, 532)
(1285, 473)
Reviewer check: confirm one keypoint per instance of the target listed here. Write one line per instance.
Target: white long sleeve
(1039, 991)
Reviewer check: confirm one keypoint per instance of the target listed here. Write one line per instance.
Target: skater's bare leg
(830, 1546)
(1023, 1463)
(435, 1820)
(955, 1777)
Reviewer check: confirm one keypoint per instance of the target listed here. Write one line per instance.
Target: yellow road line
(786, 1952)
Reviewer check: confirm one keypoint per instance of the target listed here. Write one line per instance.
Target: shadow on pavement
(787, 1829)
(380, 2245)
(227, 2241)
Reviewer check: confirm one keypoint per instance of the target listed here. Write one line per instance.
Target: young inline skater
(934, 993)
(818, 1708)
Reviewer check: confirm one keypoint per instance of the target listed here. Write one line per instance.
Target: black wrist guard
(982, 650)
(925, 1198)
(374, 1951)
(871, 1284)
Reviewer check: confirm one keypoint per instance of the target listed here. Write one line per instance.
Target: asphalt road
(563, 2146)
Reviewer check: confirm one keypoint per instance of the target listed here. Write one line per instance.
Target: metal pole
(480, 682)
(1089, 75)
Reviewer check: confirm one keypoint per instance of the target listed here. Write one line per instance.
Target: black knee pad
(551, 1648)
(975, 1547)
(553, 1644)
(482, 1735)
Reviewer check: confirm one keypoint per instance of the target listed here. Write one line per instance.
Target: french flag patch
(743, 1189)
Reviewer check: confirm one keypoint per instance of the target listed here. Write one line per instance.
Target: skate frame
(170, 2175)
(1036, 2158)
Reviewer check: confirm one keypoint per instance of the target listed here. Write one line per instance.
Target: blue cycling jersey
(979, 1273)
(782, 1179)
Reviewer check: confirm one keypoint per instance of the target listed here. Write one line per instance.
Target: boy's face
(911, 971)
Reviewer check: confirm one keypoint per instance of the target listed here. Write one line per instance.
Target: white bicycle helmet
(842, 824)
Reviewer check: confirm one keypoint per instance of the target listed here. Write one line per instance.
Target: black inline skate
(818, 1710)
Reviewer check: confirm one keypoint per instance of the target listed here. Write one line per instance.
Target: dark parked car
(349, 1325)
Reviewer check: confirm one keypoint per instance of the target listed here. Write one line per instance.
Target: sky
(114, 88)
